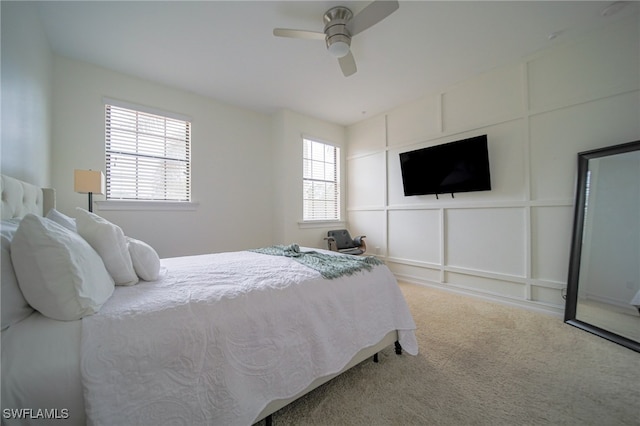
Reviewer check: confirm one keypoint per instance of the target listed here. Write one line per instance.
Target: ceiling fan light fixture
(340, 26)
(339, 48)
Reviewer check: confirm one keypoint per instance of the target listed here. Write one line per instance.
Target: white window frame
(151, 202)
(328, 175)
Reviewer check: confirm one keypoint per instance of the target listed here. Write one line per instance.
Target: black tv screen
(461, 166)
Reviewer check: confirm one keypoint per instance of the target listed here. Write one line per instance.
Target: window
(148, 155)
(321, 181)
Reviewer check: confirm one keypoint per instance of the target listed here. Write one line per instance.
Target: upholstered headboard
(20, 198)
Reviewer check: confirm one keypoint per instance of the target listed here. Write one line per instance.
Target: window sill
(321, 224)
(147, 205)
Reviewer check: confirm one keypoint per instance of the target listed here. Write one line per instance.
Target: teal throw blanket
(329, 266)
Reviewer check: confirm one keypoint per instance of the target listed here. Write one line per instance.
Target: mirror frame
(576, 244)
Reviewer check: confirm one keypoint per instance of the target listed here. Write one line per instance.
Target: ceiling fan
(340, 26)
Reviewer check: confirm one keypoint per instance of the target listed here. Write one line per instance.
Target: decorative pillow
(110, 243)
(146, 261)
(14, 306)
(62, 219)
(58, 272)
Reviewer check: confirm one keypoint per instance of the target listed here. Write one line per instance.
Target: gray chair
(339, 240)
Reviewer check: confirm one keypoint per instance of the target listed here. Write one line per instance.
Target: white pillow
(62, 219)
(15, 307)
(110, 243)
(145, 259)
(58, 272)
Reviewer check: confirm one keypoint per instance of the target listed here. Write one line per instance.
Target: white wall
(510, 243)
(232, 171)
(288, 130)
(246, 171)
(26, 95)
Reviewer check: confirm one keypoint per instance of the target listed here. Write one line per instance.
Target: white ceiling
(226, 50)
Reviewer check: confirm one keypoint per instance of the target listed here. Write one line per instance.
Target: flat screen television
(461, 166)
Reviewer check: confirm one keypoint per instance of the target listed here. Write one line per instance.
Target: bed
(225, 338)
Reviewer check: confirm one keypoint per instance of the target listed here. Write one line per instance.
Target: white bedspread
(219, 336)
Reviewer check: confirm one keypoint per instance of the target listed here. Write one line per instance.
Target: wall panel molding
(538, 115)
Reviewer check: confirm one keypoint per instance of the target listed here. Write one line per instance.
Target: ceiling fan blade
(311, 35)
(371, 15)
(348, 64)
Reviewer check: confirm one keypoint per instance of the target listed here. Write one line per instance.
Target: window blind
(147, 155)
(321, 181)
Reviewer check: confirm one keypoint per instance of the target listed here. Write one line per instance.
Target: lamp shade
(88, 181)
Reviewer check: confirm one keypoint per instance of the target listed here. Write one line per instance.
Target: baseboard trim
(531, 306)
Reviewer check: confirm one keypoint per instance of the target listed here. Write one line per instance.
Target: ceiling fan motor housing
(338, 37)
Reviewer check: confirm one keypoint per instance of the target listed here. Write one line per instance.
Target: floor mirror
(603, 288)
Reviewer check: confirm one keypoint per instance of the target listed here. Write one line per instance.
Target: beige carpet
(482, 363)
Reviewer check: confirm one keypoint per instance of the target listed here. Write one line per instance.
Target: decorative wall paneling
(510, 243)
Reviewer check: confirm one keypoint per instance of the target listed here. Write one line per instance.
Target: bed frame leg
(268, 421)
(375, 356)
